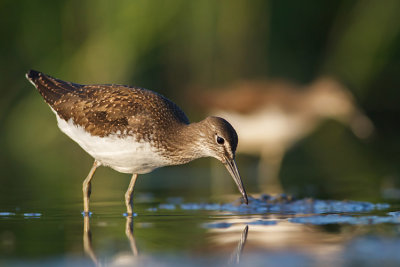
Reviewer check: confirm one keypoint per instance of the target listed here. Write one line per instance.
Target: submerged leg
(129, 195)
(86, 187)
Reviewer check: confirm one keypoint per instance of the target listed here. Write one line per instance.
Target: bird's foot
(130, 214)
(86, 213)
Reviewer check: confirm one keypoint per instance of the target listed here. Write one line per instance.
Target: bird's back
(109, 109)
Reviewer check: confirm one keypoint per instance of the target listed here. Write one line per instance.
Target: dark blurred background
(175, 47)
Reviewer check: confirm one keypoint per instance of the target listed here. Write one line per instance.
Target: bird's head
(330, 99)
(220, 141)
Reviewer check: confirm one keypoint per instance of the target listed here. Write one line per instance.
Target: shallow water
(176, 232)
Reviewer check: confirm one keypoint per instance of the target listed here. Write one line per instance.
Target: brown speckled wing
(107, 109)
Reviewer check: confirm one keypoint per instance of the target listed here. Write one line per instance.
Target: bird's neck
(188, 143)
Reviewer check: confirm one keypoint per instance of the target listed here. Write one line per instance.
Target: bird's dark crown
(223, 129)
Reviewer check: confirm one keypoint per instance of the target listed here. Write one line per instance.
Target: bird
(272, 116)
(134, 130)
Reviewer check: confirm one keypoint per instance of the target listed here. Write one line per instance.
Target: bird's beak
(233, 170)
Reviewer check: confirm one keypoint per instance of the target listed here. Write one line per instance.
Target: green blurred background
(168, 46)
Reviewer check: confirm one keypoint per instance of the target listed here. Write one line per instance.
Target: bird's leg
(129, 195)
(86, 188)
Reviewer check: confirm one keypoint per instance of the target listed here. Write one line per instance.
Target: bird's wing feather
(106, 109)
(51, 88)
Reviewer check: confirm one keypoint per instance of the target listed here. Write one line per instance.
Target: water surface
(176, 232)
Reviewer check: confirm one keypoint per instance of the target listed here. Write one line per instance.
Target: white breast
(123, 154)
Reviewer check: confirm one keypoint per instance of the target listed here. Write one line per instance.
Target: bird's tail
(50, 88)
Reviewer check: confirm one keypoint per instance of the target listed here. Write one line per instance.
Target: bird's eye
(220, 140)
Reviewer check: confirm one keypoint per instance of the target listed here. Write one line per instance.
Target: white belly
(122, 154)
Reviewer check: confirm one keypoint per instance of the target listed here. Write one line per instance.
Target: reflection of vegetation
(167, 230)
(166, 45)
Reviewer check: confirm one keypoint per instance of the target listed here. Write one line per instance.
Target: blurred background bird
(271, 116)
(176, 46)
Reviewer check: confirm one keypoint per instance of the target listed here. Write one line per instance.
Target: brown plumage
(134, 130)
(104, 109)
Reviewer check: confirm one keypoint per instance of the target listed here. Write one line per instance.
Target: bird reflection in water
(87, 238)
(129, 235)
(235, 257)
(88, 248)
